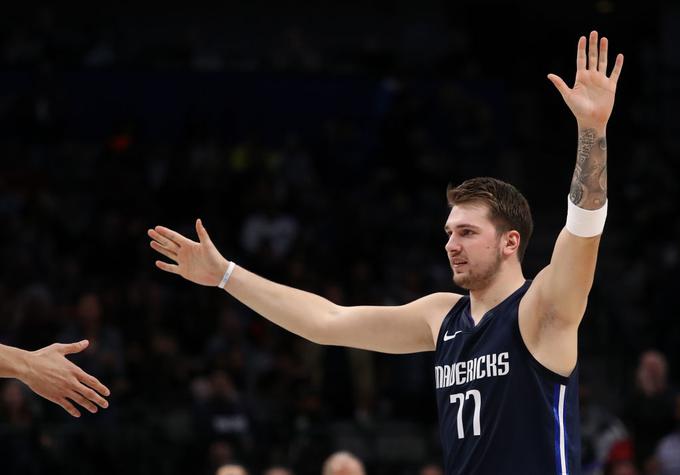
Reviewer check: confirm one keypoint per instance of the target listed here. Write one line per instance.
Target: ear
(510, 242)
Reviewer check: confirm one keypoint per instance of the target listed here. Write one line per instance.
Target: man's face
(473, 248)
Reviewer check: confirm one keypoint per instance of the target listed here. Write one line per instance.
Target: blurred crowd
(350, 205)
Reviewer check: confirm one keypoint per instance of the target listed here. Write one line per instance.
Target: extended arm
(51, 375)
(566, 282)
(397, 329)
(557, 300)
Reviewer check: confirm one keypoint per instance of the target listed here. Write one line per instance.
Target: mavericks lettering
(487, 366)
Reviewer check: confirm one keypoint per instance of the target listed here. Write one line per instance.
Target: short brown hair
(508, 209)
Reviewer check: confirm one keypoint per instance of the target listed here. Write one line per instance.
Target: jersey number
(461, 398)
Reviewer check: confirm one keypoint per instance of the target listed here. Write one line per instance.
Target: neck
(507, 280)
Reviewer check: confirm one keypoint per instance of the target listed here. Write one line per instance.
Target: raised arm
(398, 329)
(556, 302)
(51, 375)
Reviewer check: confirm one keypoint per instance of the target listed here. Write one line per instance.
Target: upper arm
(551, 310)
(561, 289)
(408, 328)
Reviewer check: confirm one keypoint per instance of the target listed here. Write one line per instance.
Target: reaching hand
(199, 262)
(55, 378)
(592, 97)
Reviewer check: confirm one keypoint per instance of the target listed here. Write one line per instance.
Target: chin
(470, 282)
(462, 282)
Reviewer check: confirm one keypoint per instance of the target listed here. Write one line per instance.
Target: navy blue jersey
(500, 411)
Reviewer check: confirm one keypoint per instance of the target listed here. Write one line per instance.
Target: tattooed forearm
(589, 183)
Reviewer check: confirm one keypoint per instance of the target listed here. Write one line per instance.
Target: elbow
(316, 335)
(321, 330)
(319, 340)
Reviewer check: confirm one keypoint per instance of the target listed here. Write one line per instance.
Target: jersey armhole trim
(447, 317)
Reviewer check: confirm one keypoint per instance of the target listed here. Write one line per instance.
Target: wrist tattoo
(589, 183)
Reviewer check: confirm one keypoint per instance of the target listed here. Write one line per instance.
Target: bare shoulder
(435, 307)
(432, 307)
(434, 303)
(442, 299)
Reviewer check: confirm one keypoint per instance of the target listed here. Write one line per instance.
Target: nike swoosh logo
(451, 337)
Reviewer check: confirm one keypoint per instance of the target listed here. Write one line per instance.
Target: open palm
(199, 262)
(591, 100)
(57, 379)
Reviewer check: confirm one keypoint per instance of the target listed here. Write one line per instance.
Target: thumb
(559, 84)
(201, 231)
(77, 347)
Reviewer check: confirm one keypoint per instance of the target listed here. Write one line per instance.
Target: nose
(452, 246)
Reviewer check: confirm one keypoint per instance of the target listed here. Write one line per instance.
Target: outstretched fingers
(602, 66)
(164, 241)
(166, 252)
(592, 51)
(581, 54)
(559, 84)
(66, 404)
(596, 58)
(92, 396)
(168, 243)
(617, 68)
(172, 236)
(70, 348)
(93, 383)
(201, 231)
(82, 401)
(173, 268)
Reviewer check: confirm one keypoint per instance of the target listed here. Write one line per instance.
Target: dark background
(316, 143)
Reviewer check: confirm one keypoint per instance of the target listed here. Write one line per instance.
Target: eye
(466, 232)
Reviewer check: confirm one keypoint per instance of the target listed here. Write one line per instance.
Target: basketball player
(505, 362)
(51, 375)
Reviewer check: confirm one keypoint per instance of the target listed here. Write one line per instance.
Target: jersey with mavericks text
(500, 411)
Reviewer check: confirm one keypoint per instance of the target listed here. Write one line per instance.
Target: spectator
(231, 470)
(668, 451)
(649, 411)
(343, 463)
(600, 431)
(431, 469)
(277, 470)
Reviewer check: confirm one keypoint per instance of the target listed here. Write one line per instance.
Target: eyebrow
(462, 225)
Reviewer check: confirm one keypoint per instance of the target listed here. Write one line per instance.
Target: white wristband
(227, 274)
(585, 222)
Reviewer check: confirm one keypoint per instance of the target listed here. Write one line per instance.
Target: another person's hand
(199, 262)
(592, 98)
(51, 375)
